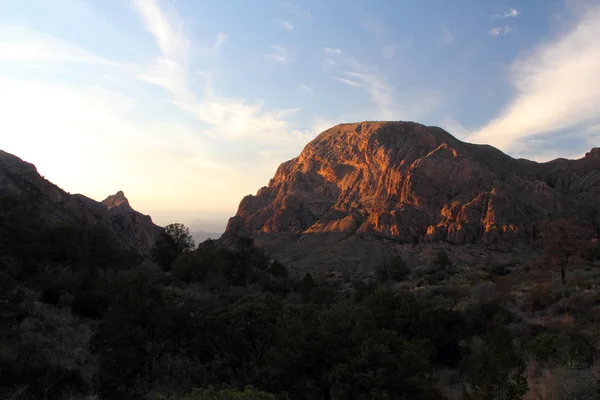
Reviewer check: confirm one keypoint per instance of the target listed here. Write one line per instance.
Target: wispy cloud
(511, 13)
(221, 39)
(297, 10)
(22, 44)
(285, 25)
(306, 88)
(379, 89)
(447, 36)
(500, 30)
(278, 54)
(328, 64)
(388, 105)
(227, 117)
(347, 81)
(373, 26)
(332, 50)
(554, 86)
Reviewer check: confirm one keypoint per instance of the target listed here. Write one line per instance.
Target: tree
(392, 270)
(181, 236)
(564, 242)
(173, 241)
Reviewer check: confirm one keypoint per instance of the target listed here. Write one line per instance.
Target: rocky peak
(408, 183)
(593, 155)
(117, 200)
(131, 228)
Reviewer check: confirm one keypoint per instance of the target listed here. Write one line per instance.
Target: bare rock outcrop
(359, 185)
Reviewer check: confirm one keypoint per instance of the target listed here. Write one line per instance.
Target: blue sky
(188, 105)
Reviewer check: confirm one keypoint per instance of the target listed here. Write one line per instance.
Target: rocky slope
(132, 229)
(359, 191)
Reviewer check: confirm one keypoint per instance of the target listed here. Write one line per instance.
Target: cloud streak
(511, 13)
(279, 54)
(306, 88)
(555, 88)
(21, 44)
(347, 81)
(228, 118)
(332, 50)
(285, 25)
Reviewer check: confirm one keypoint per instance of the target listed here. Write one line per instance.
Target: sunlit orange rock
(409, 183)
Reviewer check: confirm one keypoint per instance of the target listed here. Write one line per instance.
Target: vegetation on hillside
(81, 318)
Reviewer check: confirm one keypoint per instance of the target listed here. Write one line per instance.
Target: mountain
(360, 192)
(132, 229)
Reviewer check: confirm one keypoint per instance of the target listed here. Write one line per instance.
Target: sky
(189, 105)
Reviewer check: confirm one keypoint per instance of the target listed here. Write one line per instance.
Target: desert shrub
(278, 270)
(442, 259)
(575, 382)
(362, 290)
(562, 348)
(498, 269)
(189, 268)
(494, 368)
(249, 393)
(394, 269)
(434, 274)
(39, 377)
(484, 292)
(539, 297)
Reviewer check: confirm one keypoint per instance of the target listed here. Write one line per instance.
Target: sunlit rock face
(368, 183)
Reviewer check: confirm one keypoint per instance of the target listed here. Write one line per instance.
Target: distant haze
(203, 225)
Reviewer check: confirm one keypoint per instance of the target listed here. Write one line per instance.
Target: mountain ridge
(404, 182)
(132, 229)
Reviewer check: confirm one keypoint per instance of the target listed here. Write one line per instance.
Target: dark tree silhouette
(181, 236)
(563, 243)
(173, 241)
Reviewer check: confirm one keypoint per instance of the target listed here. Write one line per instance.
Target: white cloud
(285, 25)
(305, 88)
(388, 105)
(227, 118)
(555, 88)
(511, 13)
(347, 81)
(500, 30)
(379, 89)
(221, 39)
(278, 54)
(169, 36)
(327, 65)
(22, 44)
(495, 31)
(332, 50)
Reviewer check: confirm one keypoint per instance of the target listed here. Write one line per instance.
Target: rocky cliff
(357, 191)
(131, 228)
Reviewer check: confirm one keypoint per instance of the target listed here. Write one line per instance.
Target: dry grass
(567, 382)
